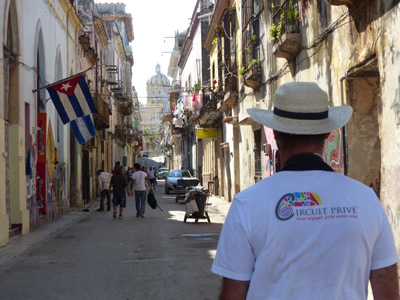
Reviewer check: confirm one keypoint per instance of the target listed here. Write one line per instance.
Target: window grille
(251, 11)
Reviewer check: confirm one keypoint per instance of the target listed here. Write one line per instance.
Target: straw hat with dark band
(302, 108)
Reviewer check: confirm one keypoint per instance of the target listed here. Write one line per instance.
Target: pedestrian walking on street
(118, 184)
(139, 186)
(152, 177)
(104, 184)
(117, 165)
(306, 232)
(129, 173)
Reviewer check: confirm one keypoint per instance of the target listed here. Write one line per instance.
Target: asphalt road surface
(98, 257)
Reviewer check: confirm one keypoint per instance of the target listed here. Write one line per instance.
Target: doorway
(363, 130)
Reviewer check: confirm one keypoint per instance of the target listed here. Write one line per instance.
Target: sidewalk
(218, 204)
(20, 246)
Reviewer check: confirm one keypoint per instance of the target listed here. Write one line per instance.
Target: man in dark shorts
(119, 183)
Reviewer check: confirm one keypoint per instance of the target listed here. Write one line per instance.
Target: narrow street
(98, 257)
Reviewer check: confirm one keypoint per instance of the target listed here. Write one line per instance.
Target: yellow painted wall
(3, 215)
(19, 211)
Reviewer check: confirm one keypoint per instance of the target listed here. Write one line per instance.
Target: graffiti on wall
(393, 216)
(50, 153)
(396, 105)
(333, 153)
(270, 150)
(51, 163)
(31, 202)
(41, 162)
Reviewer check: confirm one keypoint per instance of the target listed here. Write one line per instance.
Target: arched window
(41, 73)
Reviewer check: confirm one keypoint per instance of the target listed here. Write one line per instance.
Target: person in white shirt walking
(152, 177)
(306, 232)
(139, 186)
(104, 184)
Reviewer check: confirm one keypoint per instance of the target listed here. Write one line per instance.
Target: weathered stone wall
(354, 53)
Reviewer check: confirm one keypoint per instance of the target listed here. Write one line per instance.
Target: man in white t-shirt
(152, 177)
(306, 232)
(104, 184)
(139, 179)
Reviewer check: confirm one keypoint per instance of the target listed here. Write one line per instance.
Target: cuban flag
(72, 98)
(83, 129)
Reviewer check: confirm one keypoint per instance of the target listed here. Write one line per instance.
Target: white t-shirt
(314, 235)
(150, 174)
(104, 180)
(139, 177)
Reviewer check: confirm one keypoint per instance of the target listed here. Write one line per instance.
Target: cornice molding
(101, 31)
(72, 14)
(127, 18)
(216, 18)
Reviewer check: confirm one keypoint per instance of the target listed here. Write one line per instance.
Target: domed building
(158, 87)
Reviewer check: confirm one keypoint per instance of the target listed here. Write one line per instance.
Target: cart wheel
(208, 218)
(184, 220)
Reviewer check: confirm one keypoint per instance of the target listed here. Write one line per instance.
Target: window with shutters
(230, 64)
(251, 11)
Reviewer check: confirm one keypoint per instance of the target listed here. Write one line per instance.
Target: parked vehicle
(171, 182)
(162, 173)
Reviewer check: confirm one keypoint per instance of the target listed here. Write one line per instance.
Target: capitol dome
(158, 79)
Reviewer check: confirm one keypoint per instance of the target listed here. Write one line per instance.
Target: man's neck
(285, 155)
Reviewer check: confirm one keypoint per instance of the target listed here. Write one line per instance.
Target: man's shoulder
(286, 180)
(138, 174)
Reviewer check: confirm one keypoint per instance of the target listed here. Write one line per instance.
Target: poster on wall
(41, 162)
(270, 150)
(51, 153)
(333, 151)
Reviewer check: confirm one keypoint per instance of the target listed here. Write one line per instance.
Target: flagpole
(65, 79)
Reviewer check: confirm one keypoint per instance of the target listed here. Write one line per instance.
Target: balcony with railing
(102, 118)
(124, 105)
(208, 113)
(132, 133)
(114, 81)
(175, 90)
(285, 30)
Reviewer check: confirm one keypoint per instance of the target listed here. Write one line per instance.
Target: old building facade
(44, 170)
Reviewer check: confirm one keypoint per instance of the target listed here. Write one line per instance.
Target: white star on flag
(66, 86)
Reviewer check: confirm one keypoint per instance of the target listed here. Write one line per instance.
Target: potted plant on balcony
(288, 44)
(251, 73)
(289, 21)
(291, 16)
(275, 32)
(254, 39)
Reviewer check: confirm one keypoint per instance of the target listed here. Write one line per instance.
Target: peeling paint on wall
(394, 219)
(396, 105)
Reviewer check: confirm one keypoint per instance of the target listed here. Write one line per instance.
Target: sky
(154, 22)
